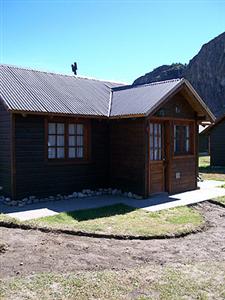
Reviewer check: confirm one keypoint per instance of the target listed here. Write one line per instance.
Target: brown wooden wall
(186, 166)
(177, 107)
(187, 180)
(217, 144)
(128, 153)
(5, 151)
(35, 176)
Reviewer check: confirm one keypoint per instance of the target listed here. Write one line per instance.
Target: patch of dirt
(31, 251)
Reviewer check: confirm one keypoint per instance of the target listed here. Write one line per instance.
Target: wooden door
(156, 158)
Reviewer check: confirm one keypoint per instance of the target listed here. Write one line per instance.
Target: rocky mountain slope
(206, 72)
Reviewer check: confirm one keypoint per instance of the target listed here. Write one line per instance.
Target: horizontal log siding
(35, 176)
(186, 168)
(217, 144)
(128, 155)
(5, 151)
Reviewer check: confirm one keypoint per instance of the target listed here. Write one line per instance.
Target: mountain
(205, 71)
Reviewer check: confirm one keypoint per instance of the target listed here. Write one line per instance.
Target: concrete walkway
(208, 189)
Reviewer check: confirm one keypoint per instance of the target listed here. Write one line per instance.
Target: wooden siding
(36, 176)
(177, 107)
(5, 151)
(185, 169)
(128, 152)
(180, 172)
(217, 144)
(204, 143)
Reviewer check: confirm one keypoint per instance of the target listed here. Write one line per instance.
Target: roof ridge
(35, 70)
(147, 84)
(58, 73)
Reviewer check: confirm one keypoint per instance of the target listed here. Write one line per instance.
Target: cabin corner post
(147, 175)
(12, 155)
(196, 145)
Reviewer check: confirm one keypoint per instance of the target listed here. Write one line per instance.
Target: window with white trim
(66, 141)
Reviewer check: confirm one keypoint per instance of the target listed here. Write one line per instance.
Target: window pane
(80, 129)
(72, 140)
(60, 128)
(151, 129)
(51, 152)
(72, 128)
(80, 152)
(151, 154)
(160, 142)
(160, 154)
(155, 129)
(60, 152)
(79, 140)
(187, 131)
(51, 140)
(156, 154)
(156, 142)
(187, 145)
(151, 141)
(177, 145)
(51, 128)
(159, 131)
(60, 140)
(72, 152)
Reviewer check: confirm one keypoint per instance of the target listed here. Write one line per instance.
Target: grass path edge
(10, 224)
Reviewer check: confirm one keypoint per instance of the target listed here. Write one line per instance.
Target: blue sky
(115, 40)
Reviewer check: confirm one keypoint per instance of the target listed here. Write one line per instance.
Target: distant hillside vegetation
(206, 72)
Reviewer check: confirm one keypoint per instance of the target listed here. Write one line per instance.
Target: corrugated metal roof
(29, 90)
(140, 99)
(36, 91)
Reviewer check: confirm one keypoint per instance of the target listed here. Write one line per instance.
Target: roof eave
(208, 112)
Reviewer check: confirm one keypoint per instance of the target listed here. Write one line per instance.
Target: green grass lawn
(122, 219)
(210, 173)
(220, 199)
(189, 281)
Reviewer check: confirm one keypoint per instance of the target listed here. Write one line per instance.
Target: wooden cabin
(216, 134)
(203, 141)
(60, 134)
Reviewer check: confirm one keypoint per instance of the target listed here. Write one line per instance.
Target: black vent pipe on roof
(74, 68)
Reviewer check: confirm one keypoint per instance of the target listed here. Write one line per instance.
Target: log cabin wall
(5, 151)
(217, 144)
(36, 176)
(181, 170)
(128, 152)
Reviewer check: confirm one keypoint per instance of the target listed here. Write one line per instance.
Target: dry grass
(198, 281)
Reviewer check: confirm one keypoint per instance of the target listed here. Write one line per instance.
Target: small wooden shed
(60, 134)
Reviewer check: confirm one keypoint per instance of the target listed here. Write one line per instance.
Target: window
(56, 140)
(182, 139)
(76, 140)
(155, 141)
(66, 141)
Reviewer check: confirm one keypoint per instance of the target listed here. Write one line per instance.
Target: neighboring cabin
(60, 134)
(204, 141)
(216, 135)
